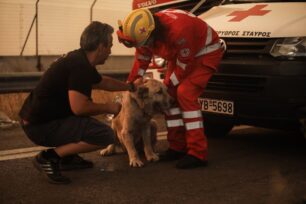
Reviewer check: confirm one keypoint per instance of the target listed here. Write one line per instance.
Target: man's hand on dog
(139, 81)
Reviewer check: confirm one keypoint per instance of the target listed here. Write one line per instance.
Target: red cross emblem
(254, 11)
(185, 52)
(142, 30)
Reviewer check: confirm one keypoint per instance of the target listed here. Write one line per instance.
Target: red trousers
(185, 122)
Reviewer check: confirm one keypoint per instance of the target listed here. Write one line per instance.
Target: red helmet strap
(127, 41)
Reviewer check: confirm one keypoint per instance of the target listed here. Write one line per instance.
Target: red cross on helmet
(136, 28)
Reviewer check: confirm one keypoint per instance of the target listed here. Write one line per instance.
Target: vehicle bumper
(267, 93)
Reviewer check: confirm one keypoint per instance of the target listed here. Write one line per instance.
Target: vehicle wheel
(217, 128)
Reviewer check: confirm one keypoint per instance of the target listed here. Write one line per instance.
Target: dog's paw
(106, 152)
(152, 157)
(136, 163)
(109, 150)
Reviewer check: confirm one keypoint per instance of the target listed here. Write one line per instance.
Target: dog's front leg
(131, 150)
(147, 143)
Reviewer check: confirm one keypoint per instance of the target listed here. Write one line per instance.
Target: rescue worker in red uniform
(193, 52)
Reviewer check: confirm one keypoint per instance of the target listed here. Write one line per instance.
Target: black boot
(49, 166)
(190, 162)
(171, 155)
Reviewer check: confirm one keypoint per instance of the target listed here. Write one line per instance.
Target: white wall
(60, 24)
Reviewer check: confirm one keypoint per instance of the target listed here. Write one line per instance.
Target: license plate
(217, 106)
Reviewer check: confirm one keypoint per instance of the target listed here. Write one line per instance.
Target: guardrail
(26, 81)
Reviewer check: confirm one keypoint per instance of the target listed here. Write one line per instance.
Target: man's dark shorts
(70, 130)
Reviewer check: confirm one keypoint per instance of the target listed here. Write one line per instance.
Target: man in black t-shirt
(57, 112)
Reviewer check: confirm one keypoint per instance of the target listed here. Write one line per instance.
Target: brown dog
(133, 124)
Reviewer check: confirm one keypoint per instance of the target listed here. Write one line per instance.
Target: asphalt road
(251, 165)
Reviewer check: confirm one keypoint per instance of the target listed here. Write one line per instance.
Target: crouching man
(57, 112)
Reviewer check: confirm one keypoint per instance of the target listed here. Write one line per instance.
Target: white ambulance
(262, 78)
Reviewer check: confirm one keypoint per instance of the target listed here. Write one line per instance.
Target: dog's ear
(143, 92)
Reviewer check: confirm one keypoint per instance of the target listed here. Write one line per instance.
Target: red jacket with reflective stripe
(184, 36)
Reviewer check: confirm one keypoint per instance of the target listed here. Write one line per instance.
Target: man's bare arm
(81, 105)
(110, 84)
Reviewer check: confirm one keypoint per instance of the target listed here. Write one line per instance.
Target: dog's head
(153, 97)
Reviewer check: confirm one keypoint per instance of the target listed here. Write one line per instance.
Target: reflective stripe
(175, 123)
(174, 79)
(143, 57)
(141, 72)
(192, 114)
(181, 64)
(133, 26)
(209, 35)
(194, 125)
(173, 111)
(209, 49)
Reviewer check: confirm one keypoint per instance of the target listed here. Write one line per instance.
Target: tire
(217, 128)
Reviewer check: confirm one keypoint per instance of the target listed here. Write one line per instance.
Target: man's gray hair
(94, 34)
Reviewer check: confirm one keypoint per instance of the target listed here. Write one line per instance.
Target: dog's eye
(160, 91)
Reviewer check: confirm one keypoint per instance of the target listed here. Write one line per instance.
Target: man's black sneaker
(171, 155)
(50, 168)
(190, 162)
(74, 162)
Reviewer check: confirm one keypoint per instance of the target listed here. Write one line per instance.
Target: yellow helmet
(136, 28)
